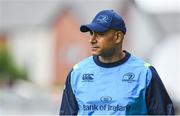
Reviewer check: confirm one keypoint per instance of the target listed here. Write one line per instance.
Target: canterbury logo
(88, 77)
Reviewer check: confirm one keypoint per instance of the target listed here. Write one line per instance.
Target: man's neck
(113, 58)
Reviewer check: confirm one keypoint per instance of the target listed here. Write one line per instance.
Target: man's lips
(94, 47)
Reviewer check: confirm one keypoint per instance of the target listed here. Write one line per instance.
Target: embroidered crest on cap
(103, 19)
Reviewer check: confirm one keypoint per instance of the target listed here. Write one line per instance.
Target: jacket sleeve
(157, 98)
(69, 104)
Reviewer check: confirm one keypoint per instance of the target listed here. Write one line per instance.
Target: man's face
(103, 44)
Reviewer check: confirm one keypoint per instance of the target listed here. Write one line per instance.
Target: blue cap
(105, 20)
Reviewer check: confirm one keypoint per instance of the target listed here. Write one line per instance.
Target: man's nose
(93, 39)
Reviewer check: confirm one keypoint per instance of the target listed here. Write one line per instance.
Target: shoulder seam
(147, 65)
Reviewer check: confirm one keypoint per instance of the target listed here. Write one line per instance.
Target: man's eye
(91, 33)
(101, 34)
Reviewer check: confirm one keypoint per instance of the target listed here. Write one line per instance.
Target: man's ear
(119, 36)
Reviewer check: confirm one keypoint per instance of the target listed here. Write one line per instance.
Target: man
(112, 81)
